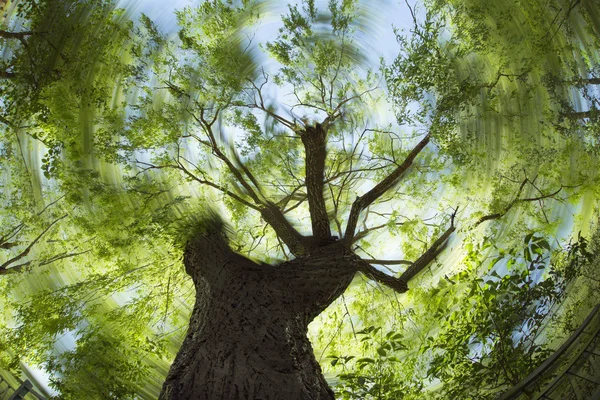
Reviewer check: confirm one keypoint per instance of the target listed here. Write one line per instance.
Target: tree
(139, 126)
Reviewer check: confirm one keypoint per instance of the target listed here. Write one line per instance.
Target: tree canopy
(462, 172)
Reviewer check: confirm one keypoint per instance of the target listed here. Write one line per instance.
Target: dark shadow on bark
(247, 337)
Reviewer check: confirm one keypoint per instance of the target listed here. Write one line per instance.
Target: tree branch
(429, 255)
(207, 126)
(401, 284)
(6, 122)
(269, 211)
(4, 267)
(583, 81)
(291, 196)
(577, 115)
(398, 284)
(338, 110)
(4, 244)
(18, 268)
(516, 201)
(388, 262)
(7, 75)
(368, 198)
(261, 105)
(218, 187)
(365, 232)
(314, 140)
(15, 35)
(284, 230)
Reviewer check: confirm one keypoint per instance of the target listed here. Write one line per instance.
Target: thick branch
(284, 230)
(314, 140)
(269, 211)
(6, 122)
(18, 268)
(4, 74)
(398, 284)
(7, 74)
(11, 234)
(218, 187)
(212, 143)
(401, 284)
(591, 81)
(294, 195)
(388, 182)
(428, 256)
(389, 262)
(577, 115)
(583, 81)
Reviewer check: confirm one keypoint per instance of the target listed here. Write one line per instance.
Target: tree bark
(247, 337)
(315, 146)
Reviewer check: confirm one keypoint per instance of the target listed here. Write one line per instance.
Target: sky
(380, 38)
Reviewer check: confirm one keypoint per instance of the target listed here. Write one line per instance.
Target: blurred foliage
(104, 159)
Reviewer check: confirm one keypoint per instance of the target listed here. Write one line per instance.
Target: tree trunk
(247, 333)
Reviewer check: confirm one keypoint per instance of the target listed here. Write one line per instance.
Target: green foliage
(377, 376)
(139, 135)
(544, 47)
(319, 57)
(487, 332)
(99, 368)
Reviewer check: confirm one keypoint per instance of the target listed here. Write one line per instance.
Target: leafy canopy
(116, 137)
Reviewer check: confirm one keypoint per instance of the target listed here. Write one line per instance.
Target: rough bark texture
(247, 334)
(314, 140)
(285, 231)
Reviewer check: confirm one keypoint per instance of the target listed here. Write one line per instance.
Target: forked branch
(269, 211)
(426, 258)
(362, 202)
(400, 284)
(18, 268)
(15, 35)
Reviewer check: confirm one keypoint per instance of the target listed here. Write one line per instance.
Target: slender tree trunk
(247, 333)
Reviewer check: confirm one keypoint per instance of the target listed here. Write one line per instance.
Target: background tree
(143, 131)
